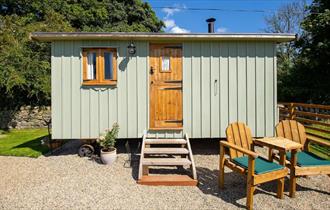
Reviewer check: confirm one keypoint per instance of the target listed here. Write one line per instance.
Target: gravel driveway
(67, 181)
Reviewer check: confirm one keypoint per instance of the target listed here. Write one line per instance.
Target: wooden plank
(142, 86)
(230, 139)
(224, 58)
(242, 150)
(187, 86)
(232, 82)
(260, 89)
(310, 114)
(318, 106)
(206, 89)
(293, 163)
(166, 141)
(250, 187)
(56, 83)
(280, 182)
(237, 137)
(303, 120)
(191, 158)
(241, 82)
(215, 90)
(235, 167)
(317, 129)
(94, 123)
(262, 178)
(132, 101)
(142, 157)
(76, 80)
(221, 166)
(270, 104)
(166, 161)
(156, 150)
(312, 170)
(318, 140)
(196, 90)
(251, 86)
(168, 180)
(122, 89)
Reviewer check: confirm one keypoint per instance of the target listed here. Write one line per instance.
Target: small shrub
(107, 140)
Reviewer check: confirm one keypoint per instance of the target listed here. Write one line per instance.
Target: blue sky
(181, 20)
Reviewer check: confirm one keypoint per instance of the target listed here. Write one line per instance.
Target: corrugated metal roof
(55, 36)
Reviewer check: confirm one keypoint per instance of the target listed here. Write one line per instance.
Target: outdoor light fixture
(131, 48)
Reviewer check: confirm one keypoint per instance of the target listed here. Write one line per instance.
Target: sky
(233, 16)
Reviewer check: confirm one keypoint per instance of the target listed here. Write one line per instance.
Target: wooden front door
(165, 77)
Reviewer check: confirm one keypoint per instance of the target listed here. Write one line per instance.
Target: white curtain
(91, 66)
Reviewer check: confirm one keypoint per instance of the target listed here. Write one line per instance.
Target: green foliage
(308, 80)
(108, 140)
(25, 64)
(25, 142)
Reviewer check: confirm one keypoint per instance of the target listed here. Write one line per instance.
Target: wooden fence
(315, 118)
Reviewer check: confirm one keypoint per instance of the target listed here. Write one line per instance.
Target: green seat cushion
(261, 165)
(308, 159)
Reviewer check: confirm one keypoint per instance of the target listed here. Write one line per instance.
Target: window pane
(91, 65)
(108, 73)
(165, 63)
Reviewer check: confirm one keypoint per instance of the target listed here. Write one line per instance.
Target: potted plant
(107, 143)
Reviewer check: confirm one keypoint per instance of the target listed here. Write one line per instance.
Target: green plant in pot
(107, 143)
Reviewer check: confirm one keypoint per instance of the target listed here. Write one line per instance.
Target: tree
(286, 20)
(25, 64)
(309, 80)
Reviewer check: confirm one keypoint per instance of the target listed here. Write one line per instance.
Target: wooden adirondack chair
(305, 162)
(244, 160)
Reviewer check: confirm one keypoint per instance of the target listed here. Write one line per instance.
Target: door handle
(215, 87)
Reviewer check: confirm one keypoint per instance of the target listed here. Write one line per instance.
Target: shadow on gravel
(235, 186)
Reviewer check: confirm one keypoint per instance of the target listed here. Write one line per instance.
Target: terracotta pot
(108, 157)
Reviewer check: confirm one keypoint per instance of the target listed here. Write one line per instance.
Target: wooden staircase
(165, 152)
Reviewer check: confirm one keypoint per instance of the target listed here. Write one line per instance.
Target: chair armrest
(317, 141)
(240, 149)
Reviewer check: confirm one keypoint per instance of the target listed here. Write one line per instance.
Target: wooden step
(168, 180)
(166, 151)
(165, 141)
(165, 161)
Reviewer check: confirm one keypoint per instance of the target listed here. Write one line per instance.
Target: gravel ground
(66, 181)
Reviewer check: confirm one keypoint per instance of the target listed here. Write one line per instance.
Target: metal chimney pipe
(210, 24)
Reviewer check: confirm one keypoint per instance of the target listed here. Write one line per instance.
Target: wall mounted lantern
(131, 48)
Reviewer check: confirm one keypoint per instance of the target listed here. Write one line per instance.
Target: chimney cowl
(210, 24)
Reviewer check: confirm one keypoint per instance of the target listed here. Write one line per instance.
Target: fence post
(291, 111)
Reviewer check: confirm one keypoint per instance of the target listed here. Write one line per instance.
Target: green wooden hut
(165, 83)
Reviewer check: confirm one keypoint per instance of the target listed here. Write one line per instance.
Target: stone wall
(25, 117)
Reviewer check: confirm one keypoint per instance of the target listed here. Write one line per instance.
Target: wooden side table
(283, 145)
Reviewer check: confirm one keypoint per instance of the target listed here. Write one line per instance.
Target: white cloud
(221, 30)
(169, 11)
(170, 26)
(169, 23)
(177, 29)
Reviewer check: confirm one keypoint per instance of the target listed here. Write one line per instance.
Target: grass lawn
(26, 142)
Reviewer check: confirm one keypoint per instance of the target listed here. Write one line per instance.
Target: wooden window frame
(100, 80)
